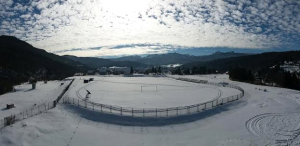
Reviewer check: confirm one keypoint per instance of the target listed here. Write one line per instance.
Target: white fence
(159, 112)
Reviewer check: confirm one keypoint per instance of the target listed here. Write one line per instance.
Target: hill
(99, 62)
(251, 62)
(19, 61)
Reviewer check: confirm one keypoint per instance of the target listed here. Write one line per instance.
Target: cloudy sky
(131, 27)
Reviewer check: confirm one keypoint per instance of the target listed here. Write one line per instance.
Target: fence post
(156, 112)
(131, 111)
(143, 112)
(110, 109)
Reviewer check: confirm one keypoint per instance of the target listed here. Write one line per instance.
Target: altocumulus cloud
(62, 26)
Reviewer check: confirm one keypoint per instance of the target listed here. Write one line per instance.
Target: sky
(108, 28)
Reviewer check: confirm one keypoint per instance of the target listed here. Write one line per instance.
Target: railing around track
(159, 112)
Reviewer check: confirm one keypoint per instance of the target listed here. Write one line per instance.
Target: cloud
(64, 25)
(120, 50)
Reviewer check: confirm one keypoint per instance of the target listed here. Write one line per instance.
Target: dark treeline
(241, 74)
(274, 76)
(194, 71)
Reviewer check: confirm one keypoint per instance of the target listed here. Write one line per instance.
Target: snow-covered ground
(25, 98)
(156, 92)
(259, 118)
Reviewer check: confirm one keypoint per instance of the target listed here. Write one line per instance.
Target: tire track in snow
(281, 128)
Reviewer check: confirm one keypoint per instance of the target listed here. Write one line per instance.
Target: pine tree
(159, 69)
(131, 70)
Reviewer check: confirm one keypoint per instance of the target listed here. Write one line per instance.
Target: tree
(241, 74)
(131, 70)
(159, 69)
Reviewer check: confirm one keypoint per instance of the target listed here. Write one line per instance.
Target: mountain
(19, 61)
(99, 62)
(220, 55)
(176, 58)
(251, 62)
(128, 58)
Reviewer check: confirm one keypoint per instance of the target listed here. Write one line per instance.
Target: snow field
(24, 98)
(126, 92)
(259, 118)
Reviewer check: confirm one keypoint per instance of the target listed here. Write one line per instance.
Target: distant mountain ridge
(94, 62)
(176, 58)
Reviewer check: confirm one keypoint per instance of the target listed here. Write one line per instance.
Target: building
(90, 72)
(102, 70)
(120, 70)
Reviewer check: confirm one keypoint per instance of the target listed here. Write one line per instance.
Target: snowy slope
(24, 98)
(260, 118)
